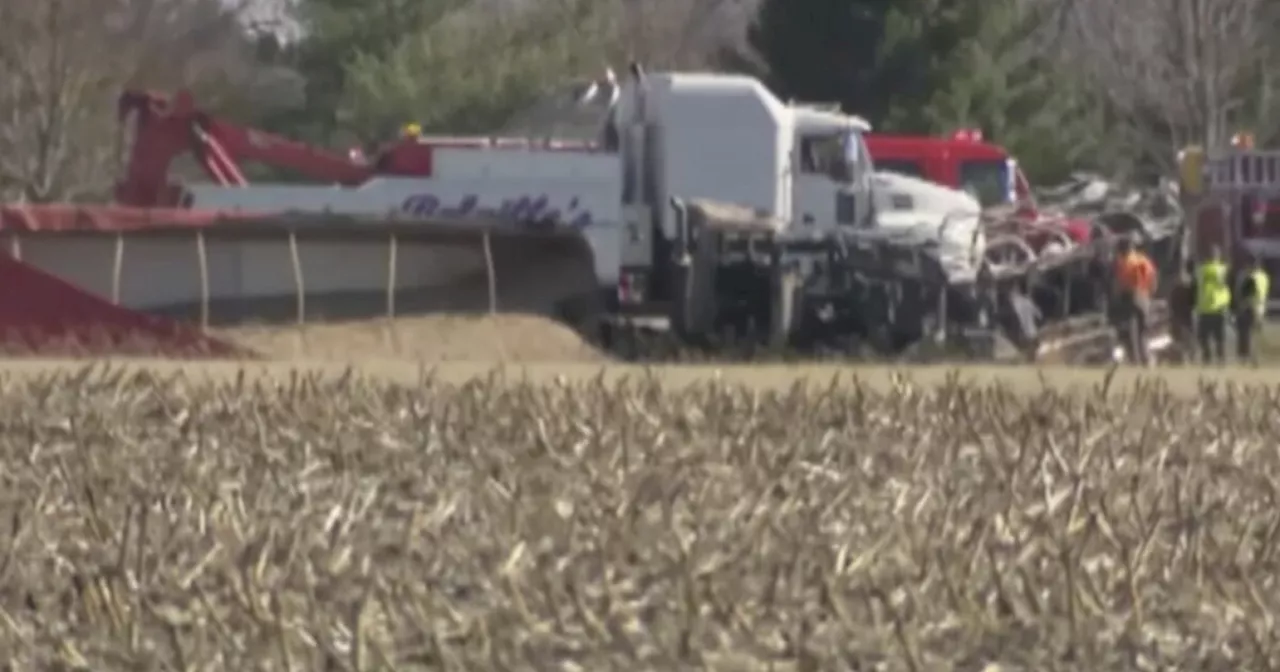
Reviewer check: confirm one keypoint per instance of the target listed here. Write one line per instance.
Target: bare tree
(489, 60)
(64, 63)
(1173, 71)
(680, 33)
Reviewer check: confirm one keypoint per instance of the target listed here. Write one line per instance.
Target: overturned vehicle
(932, 276)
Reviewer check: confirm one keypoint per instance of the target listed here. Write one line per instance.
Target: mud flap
(785, 309)
(694, 308)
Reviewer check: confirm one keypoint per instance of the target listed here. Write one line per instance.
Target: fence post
(203, 259)
(493, 281)
(297, 277)
(117, 269)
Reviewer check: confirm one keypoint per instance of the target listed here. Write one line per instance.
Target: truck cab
(832, 170)
(728, 138)
(962, 161)
(813, 217)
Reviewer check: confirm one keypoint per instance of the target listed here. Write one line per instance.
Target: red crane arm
(165, 128)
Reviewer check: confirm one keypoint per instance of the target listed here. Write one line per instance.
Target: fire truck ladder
(1255, 173)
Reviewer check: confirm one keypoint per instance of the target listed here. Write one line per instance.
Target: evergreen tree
(932, 67)
(337, 33)
(984, 72)
(822, 50)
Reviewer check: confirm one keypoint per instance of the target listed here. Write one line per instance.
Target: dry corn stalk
(314, 524)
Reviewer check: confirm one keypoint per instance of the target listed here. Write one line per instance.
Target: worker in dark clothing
(986, 296)
(1182, 313)
(1135, 283)
(1213, 303)
(1251, 309)
(1020, 320)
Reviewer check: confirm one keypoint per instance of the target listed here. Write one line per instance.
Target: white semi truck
(705, 200)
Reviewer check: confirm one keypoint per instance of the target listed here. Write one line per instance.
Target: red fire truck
(962, 161)
(1233, 198)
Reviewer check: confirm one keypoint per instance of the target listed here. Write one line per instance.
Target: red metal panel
(52, 218)
(43, 314)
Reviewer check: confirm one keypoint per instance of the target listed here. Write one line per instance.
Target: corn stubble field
(156, 521)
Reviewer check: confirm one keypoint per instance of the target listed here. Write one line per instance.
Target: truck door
(831, 186)
(854, 205)
(812, 197)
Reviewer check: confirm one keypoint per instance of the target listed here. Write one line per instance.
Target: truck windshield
(856, 156)
(988, 180)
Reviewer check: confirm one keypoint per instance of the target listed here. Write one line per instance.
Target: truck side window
(986, 180)
(822, 155)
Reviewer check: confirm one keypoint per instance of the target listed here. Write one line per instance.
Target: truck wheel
(785, 308)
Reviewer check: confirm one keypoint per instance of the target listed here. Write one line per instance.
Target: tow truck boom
(166, 127)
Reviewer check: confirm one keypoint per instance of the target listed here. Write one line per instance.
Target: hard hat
(411, 130)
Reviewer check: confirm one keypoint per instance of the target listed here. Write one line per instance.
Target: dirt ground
(459, 348)
(1182, 382)
(428, 338)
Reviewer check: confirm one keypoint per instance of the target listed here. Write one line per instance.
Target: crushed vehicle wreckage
(695, 201)
(909, 287)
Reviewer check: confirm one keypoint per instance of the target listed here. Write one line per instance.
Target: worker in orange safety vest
(1135, 282)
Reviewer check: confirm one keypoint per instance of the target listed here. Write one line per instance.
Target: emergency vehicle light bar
(1251, 170)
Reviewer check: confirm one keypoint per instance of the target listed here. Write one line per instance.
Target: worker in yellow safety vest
(1251, 308)
(1213, 306)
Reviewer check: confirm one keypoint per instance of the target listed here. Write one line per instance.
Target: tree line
(1066, 85)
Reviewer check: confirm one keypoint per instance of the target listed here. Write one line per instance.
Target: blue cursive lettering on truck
(523, 209)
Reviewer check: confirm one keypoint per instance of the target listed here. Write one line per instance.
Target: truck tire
(785, 307)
